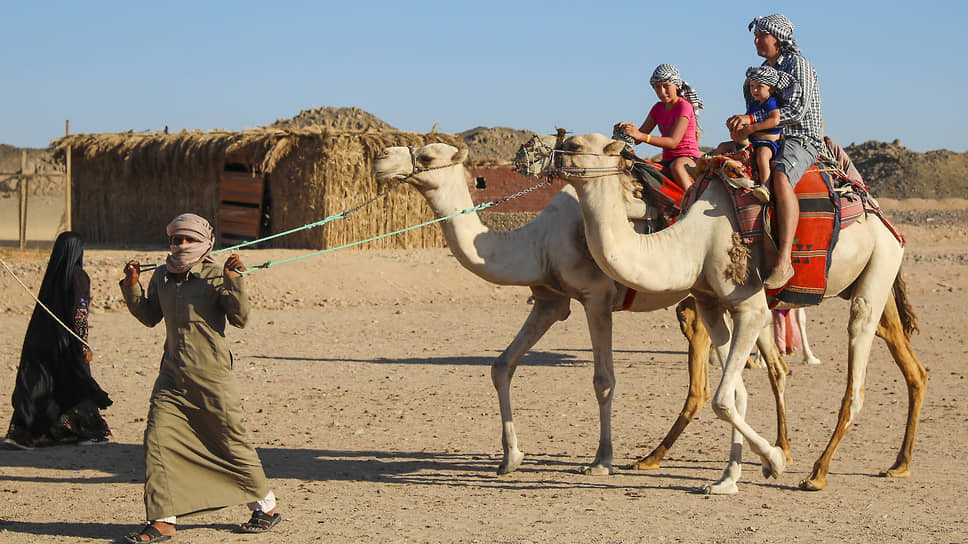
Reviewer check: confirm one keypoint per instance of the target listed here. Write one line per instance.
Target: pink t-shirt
(688, 146)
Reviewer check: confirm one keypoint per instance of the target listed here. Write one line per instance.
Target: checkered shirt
(800, 115)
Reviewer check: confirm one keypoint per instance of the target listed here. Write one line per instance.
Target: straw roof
(312, 173)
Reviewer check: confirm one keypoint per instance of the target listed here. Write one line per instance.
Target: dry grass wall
(128, 186)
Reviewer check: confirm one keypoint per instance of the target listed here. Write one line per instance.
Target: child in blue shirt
(762, 85)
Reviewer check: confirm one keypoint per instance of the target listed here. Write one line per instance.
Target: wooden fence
(23, 190)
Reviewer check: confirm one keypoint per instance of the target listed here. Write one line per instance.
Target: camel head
(585, 157)
(409, 163)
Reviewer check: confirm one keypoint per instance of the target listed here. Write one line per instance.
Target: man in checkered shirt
(800, 120)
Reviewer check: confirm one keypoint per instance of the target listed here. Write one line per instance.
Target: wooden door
(240, 207)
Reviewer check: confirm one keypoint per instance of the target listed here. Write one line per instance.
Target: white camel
(694, 256)
(550, 256)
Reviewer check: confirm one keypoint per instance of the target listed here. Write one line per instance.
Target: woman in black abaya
(56, 400)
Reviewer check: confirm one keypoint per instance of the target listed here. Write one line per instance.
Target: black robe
(56, 399)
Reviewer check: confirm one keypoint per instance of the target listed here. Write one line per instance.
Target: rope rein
(341, 215)
(46, 309)
(414, 171)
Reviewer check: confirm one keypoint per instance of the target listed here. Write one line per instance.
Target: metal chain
(548, 179)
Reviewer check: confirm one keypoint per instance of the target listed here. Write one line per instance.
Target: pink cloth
(786, 331)
(665, 120)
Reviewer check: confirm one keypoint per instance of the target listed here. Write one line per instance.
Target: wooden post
(67, 179)
(67, 190)
(23, 199)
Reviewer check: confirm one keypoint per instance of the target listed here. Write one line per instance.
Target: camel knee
(724, 409)
(604, 386)
(860, 315)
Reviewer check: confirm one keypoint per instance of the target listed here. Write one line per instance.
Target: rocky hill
(335, 118)
(493, 146)
(892, 170)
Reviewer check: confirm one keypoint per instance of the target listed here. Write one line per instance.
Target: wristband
(752, 120)
(648, 138)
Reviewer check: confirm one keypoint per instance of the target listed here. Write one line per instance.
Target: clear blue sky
(887, 69)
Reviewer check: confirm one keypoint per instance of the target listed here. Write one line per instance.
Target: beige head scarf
(184, 256)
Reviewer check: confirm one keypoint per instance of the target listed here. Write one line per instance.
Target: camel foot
(896, 472)
(721, 488)
(813, 484)
(598, 470)
(512, 460)
(812, 360)
(643, 463)
(774, 463)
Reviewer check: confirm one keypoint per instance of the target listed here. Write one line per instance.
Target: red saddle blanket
(657, 189)
(823, 213)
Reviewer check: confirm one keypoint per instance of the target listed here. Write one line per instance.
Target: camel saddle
(829, 201)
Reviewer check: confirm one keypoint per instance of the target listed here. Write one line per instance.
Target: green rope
(342, 215)
(269, 263)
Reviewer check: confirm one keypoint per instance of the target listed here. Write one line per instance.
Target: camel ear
(460, 156)
(615, 148)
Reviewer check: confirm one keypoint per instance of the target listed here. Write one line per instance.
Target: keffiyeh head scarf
(184, 256)
(668, 72)
(769, 76)
(780, 27)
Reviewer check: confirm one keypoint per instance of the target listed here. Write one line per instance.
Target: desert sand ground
(366, 383)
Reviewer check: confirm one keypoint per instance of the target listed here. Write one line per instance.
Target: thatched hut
(128, 186)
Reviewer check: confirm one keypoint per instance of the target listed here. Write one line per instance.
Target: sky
(888, 70)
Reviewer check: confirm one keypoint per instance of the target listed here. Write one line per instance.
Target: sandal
(149, 530)
(260, 522)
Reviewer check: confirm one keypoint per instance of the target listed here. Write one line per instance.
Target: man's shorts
(794, 157)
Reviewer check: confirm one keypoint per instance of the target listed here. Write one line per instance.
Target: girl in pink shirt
(675, 115)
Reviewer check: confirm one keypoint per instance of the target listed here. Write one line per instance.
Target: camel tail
(904, 309)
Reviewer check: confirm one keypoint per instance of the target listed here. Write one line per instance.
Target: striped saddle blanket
(824, 211)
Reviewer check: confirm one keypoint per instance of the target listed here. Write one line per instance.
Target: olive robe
(197, 456)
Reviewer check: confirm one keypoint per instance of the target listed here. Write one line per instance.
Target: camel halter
(414, 170)
(586, 172)
(536, 158)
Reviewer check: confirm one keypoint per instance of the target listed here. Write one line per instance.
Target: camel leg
(719, 336)
(729, 400)
(868, 304)
(916, 377)
(599, 315)
(861, 329)
(808, 356)
(548, 308)
(698, 394)
(777, 371)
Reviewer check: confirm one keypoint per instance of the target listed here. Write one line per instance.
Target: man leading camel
(800, 120)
